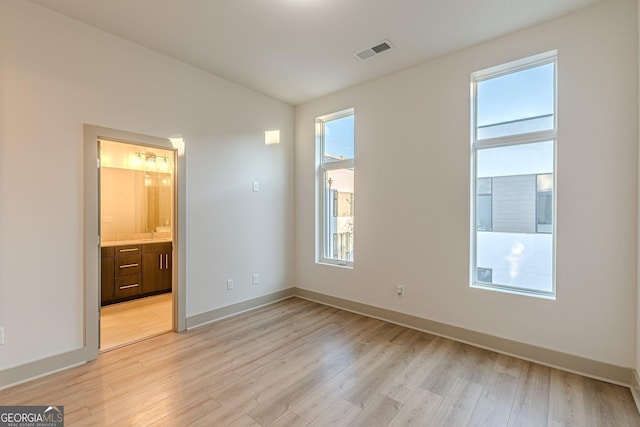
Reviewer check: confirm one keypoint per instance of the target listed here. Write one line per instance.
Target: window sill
(514, 291)
(340, 264)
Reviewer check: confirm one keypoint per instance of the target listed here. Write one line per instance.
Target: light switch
(256, 186)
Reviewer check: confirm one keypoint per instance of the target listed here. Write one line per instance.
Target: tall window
(335, 170)
(513, 173)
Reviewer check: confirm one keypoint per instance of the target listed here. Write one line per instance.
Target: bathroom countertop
(135, 242)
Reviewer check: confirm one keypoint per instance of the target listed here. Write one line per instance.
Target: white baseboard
(40, 368)
(233, 309)
(635, 388)
(590, 368)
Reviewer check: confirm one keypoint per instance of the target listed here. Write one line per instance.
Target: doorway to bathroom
(136, 233)
(136, 242)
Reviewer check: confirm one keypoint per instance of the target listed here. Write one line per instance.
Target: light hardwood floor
(135, 320)
(298, 363)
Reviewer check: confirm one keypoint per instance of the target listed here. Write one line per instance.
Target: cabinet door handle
(160, 261)
(129, 250)
(166, 260)
(128, 265)
(135, 285)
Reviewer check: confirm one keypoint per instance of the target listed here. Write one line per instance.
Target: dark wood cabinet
(156, 268)
(127, 286)
(127, 271)
(107, 278)
(133, 271)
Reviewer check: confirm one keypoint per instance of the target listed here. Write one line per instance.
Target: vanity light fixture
(164, 164)
(152, 160)
(271, 137)
(137, 160)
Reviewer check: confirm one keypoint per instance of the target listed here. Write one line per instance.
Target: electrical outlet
(229, 284)
(256, 279)
(400, 290)
(1, 335)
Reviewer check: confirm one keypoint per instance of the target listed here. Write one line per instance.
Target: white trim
(337, 115)
(519, 139)
(595, 369)
(338, 164)
(218, 314)
(92, 134)
(551, 135)
(515, 66)
(571, 363)
(40, 368)
(635, 388)
(321, 168)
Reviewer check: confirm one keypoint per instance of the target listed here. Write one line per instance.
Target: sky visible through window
(515, 96)
(338, 138)
(513, 146)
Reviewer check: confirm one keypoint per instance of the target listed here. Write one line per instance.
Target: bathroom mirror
(134, 202)
(158, 201)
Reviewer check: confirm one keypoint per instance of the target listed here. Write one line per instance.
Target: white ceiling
(298, 50)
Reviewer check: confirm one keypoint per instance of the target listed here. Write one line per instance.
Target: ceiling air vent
(372, 51)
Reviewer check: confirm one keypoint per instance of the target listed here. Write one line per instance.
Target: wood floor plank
(458, 405)
(445, 367)
(508, 365)
(377, 376)
(300, 363)
(566, 400)
(289, 419)
(317, 403)
(196, 410)
(531, 403)
(406, 382)
(419, 409)
(378, 413)
(278, 404)
(495, 402)
(340, 414)
(608, 405)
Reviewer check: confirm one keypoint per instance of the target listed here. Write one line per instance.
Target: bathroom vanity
(137, 210)
(135, 270)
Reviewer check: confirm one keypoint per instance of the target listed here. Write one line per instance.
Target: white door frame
(92, 229)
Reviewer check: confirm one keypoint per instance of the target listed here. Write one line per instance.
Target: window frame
(512, 140)
(490, 195)
(323, 214)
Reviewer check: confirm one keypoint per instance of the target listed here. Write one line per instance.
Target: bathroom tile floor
(133, 321)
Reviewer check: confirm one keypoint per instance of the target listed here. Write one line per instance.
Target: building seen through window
(335, 139)
(513, 169)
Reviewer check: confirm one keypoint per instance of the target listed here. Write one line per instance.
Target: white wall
(412, 150)
(55, 75)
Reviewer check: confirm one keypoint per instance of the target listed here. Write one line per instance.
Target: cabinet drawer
(127, 265)
(127, 250)
(148, 248)
(127, 286)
